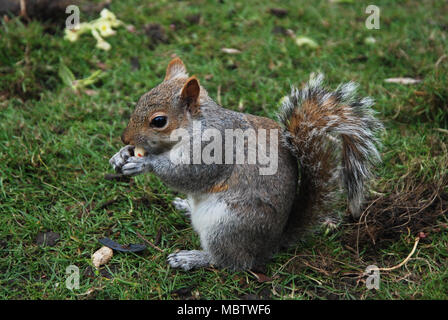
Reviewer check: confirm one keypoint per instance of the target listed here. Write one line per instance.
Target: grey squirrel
(244, 217)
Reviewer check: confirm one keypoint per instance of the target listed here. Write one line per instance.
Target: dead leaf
(261, 277)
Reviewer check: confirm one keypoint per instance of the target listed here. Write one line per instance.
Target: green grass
(55, 144)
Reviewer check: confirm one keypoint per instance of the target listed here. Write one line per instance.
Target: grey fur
(241, 225)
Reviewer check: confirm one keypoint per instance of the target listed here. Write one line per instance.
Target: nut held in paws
(139, 152)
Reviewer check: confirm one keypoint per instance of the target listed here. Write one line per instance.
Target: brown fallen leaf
(261, 277)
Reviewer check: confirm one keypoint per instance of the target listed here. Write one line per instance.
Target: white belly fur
(206, 212)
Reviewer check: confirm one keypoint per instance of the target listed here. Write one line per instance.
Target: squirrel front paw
(135, 166)
(189, 259)
(120, 158)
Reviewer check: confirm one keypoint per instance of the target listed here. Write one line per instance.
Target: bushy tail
(333, 136)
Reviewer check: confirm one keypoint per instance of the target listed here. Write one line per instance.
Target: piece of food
(139, 152)
(102, 256)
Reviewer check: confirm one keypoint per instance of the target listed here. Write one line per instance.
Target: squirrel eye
(159, 122)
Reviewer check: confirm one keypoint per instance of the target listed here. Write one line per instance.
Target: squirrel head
(169, 106)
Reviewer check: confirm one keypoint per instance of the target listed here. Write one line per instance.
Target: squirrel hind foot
(189, 259)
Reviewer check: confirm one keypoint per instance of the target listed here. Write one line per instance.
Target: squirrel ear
(175, 68)
(190, 94)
